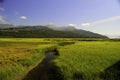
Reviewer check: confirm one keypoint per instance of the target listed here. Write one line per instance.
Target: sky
(100, 16)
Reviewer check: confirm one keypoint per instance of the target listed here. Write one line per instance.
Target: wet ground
(46, 70)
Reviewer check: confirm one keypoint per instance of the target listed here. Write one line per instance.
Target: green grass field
(80, 59)
(18, 56)
(89, 60)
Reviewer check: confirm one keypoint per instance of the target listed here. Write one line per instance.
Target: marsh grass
(88, 60)
(79, 59)
(17, 58)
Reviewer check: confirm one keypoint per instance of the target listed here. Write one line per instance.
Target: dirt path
(46, 70)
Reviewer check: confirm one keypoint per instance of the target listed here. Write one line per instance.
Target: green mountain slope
(45, 32)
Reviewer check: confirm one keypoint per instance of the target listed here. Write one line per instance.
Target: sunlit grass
(87, 60)
(17, 58)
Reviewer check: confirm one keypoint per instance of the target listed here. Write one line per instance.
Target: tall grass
(17, 58)
(87, 60)
(80, 59)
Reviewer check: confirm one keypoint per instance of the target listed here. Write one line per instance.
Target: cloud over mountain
(2, 20)
(101, 21)
(74, 25)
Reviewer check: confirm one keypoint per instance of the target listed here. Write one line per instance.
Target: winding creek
(45, 70)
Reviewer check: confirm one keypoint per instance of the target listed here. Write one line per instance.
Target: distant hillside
(62, 28)
(82, 33)
(46, 32)
(2, 26)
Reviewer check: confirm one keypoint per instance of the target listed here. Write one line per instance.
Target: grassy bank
(18, 56)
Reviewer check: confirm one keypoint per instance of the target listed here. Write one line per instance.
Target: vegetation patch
(94, 60)
(59, 59)
(17, 58)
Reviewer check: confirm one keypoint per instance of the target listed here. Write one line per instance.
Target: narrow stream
(46, 70)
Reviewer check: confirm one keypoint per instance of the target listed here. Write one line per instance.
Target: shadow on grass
(46, 70)
(78, 76)
(112, 72)
(66, 43)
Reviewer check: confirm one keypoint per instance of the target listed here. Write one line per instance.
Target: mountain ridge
(47, 32)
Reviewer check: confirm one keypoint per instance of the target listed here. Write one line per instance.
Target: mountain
(61, 28)
(2, 26)
(82, 33)
(47, 32)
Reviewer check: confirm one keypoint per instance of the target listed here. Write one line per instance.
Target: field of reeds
(79, 59)
(96, 60)
(18, 56)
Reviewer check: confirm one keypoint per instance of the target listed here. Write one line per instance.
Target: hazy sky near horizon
(100, 16)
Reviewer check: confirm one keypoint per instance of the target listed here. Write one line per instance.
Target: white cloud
(2, 9)
(106, 20)
(2, 20)
(101, 21)
(50, 23)
(85, 24)
(72, 25)
(23, 17)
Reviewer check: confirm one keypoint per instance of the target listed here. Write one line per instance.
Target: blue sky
(100, 16)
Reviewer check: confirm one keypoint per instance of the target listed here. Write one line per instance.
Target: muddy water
(46, 70)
